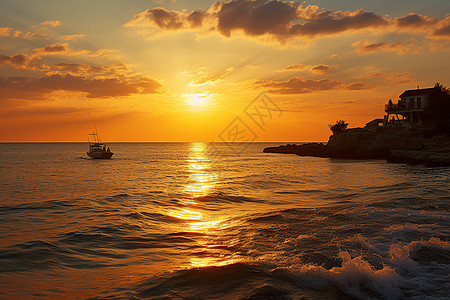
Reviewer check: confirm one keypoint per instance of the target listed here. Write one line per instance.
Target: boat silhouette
(97, 149)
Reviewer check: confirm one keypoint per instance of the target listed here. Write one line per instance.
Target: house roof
(417, 92)
(375, 122)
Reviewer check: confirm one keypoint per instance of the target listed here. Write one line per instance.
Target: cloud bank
(280, 20)
(301, 85)
(114, 80)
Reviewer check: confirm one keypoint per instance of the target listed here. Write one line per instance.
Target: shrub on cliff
(339, 127)
(438, 111)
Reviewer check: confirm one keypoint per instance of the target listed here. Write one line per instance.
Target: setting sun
(198, 99)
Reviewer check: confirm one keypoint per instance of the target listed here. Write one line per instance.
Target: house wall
(423, 99)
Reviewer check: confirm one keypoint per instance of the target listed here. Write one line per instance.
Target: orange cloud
(38, 88)
(93, 81)
(301, 85)
(28, 35)
(318, 69)
(51, 23)
(203, 79)
(5, 31)
(387, 78)
(411, 46)
(71, 37)
(31, 61)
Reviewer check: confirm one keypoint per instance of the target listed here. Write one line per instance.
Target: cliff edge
(395, 144)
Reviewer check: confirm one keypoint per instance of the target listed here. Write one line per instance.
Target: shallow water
(186, 220)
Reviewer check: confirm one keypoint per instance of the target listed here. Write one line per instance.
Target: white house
(409, 110)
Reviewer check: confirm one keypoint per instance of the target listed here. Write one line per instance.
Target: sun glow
(198, 99)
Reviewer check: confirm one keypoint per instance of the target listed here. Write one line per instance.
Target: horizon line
(156, 142)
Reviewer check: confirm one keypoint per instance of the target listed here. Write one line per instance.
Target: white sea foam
(356, 277)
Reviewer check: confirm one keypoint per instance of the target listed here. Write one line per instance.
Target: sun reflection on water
(201, 179)
(213, 247)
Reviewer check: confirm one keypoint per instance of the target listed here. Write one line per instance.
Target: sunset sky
(172, 70)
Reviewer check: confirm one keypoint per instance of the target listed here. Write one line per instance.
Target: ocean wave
(40, 205)
(221, 197)
(234, 281)
(38, 255)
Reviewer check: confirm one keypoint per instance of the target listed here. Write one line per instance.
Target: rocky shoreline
(396, 145)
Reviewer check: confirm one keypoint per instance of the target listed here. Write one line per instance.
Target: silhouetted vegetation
(438, 111)
(339, 127)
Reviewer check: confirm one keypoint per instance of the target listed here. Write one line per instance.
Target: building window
(419, 102)
(411, 103)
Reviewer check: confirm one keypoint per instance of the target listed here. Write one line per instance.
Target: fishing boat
(96, 148)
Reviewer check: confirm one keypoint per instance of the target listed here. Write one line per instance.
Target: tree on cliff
(339, 127)
(438, 111)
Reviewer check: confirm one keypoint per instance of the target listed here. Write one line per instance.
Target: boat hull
(100, 155)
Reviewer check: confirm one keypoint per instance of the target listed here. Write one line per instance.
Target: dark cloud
(38, 88)
(443, 31)
(55, 48)
(297, 85)
(366, 47)
(28, 61)
(414, 20)
(336, 22)
(196, 18)
(80, 69)
(18, 61)
(283, 21)
(318, 69)
(374, 47)
(280, 19)
(301, 85)
(256, 17)
(357, 86)
(51, 49)
(321, 69)
(168, 19)
(295, 67)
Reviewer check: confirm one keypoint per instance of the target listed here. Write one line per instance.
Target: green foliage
(338, 127)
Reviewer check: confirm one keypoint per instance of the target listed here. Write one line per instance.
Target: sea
(218, 221)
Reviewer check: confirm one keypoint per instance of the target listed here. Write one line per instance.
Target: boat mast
(96, 133)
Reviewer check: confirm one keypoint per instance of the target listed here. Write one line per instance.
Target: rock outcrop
(311, 149)
(399, 145)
